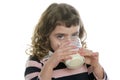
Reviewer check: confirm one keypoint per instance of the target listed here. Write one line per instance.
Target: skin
(60, 40)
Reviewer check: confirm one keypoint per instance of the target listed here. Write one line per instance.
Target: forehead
(66, 30)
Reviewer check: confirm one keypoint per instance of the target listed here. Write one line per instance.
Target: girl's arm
(92, 58)
(46, 72)
(36, 70)
(98, 71)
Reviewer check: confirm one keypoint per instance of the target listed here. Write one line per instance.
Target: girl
(59, 23)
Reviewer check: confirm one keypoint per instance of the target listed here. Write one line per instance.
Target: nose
(72, 38)
(69, 38)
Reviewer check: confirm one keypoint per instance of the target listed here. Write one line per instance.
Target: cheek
(54, 44)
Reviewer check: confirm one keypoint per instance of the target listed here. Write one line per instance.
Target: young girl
(59, 23)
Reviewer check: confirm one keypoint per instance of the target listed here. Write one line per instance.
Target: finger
(66, 51)
(95, 54)
(67, 55)
(64, 44)
(69, 48)
(85, 52)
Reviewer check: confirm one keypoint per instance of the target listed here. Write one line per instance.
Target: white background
(18, 18)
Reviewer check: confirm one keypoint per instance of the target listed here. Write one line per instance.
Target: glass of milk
(77, 60)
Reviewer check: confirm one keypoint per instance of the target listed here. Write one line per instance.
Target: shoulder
(33, 61)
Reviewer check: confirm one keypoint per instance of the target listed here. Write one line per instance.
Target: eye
(60, 36)
(76, 35)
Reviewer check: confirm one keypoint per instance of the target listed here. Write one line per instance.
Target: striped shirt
(61, 72)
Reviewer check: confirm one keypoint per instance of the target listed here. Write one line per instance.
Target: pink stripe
(33, 64)
(32, 75)
(67, 72)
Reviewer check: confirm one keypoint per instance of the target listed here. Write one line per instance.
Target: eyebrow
(65, 33)
(60, 34)
(75, 33)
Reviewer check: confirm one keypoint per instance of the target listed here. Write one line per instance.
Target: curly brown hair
(55, 14)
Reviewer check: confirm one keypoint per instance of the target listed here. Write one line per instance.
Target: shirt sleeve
(92, 75)
(32, 70)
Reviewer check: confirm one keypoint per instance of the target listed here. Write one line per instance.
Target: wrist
(98, 71)
(48, 66)
(96, 66)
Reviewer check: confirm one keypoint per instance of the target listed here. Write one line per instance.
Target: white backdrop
(18, 18)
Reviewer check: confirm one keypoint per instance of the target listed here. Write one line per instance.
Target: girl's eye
(75, 35)
(60, 37)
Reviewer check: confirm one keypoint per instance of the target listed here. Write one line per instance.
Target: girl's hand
(61, 54)
(91, 57)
